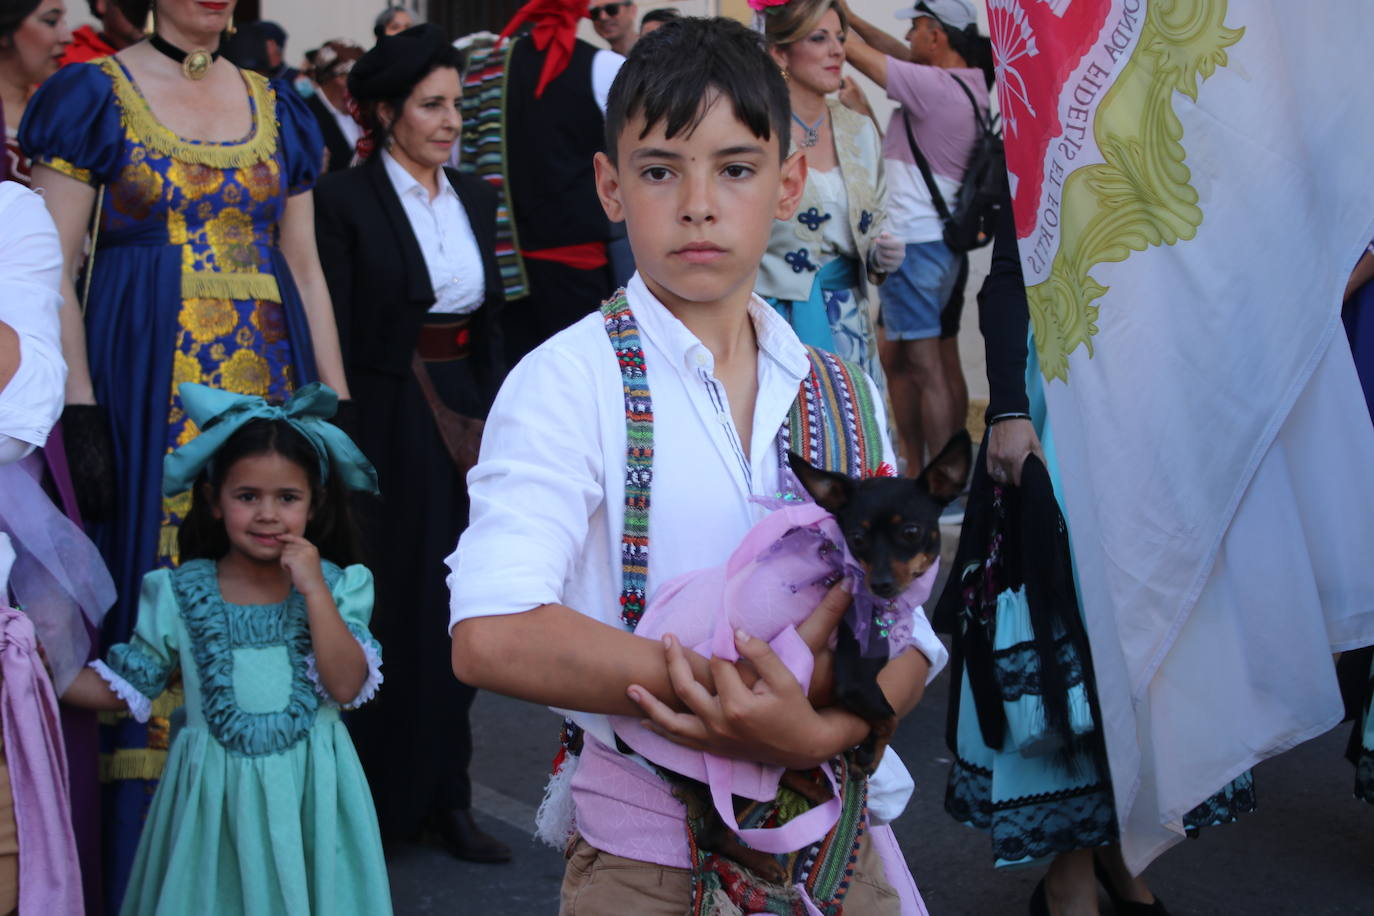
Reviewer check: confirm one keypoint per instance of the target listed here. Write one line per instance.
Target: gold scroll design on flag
(1140, 195)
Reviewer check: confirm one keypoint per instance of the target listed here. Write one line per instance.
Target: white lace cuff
(140, 707)
(365, 693)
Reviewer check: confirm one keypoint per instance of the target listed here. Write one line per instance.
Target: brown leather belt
(444, 341)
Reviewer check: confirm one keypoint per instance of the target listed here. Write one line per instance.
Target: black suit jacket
(380, 285)
(340, 152)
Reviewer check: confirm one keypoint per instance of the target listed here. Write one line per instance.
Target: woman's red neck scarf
(555, 32)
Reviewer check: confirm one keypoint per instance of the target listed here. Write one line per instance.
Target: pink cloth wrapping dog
(771, 583)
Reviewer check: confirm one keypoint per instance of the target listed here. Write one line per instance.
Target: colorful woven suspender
(639, 456)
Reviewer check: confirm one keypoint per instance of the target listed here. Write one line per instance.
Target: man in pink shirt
(942, 50)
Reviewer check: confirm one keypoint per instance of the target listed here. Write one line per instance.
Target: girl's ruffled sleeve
(139, 669)
(72, 125)
(352, 590)
(301, 143)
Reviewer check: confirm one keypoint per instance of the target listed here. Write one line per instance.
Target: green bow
(220, 414)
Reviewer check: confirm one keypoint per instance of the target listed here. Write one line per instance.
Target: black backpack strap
(935, 196)
(984, 124)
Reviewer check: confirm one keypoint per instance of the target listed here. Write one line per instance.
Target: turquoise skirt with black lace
(1037, 806)
(263, 807)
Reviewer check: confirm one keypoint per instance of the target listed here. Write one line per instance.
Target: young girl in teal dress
(263, 807)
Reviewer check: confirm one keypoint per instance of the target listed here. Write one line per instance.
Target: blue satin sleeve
(72, 125)
(301, 144)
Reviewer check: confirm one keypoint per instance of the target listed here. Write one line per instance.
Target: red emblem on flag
(1037, 45)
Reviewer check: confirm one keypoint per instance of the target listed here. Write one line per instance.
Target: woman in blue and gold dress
(204, 270)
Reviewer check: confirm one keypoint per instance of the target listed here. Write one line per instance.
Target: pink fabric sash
(49, 875)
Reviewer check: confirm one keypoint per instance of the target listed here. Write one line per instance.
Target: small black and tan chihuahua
(892, 528)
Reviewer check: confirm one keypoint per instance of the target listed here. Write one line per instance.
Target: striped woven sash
(483, 151)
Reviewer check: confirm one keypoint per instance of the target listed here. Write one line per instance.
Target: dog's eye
(858, 539)
(911, 532)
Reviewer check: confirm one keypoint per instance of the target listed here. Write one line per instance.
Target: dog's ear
(945, 476)
(828, 489)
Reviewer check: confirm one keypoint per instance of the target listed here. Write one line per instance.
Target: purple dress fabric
(49, 874)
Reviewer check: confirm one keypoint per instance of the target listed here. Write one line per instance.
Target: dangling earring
(150, 24)
(231, 29)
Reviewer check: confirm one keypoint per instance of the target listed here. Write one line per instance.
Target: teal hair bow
(220, 414)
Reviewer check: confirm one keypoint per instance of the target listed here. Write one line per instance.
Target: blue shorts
(913, 297)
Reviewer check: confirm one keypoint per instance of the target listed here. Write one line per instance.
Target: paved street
(1308, 850)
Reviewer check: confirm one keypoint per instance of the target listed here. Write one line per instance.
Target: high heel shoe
(1039, 906)
(1121, 905)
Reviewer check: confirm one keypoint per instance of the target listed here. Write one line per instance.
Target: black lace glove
(90, 456)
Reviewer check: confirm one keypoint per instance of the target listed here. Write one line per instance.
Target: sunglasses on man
(610, 10)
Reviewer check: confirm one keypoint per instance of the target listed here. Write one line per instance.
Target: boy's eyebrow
(651, 152)
(749, 150)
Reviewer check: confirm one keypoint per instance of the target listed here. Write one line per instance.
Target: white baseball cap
(957, 14)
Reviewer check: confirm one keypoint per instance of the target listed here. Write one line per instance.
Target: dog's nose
(884, 589)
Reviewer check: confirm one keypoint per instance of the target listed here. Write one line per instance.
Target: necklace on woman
(812, 132)
(194, 64)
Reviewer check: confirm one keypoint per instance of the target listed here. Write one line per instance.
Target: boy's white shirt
(547, 495)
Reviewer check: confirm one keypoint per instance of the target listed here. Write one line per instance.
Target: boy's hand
(772, 723)
(300, 558)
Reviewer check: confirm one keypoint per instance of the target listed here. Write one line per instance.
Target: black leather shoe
(1121, 905)
(460, 835)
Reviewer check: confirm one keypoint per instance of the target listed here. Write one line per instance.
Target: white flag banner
(1192, 184)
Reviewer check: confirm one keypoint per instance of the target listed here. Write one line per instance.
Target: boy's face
(698, 208)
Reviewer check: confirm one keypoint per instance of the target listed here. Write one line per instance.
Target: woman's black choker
(195, 64)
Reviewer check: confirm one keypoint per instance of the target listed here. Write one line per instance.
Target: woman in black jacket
(407, 248)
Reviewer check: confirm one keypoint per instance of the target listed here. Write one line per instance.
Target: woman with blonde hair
(815, 268)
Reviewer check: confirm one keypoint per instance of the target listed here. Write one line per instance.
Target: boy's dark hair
(672, 70)
(660, 15)
(331, 527)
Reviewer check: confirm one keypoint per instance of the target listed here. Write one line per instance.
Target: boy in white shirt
(549, 577)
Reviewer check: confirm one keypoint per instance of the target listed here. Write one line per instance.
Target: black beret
(396, 63)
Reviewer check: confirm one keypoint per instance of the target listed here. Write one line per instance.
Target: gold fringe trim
(168, 702)
(62, 166)
(140, 120)
(167, 543)
(143, 762)
(133, 763)
(210, 285)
